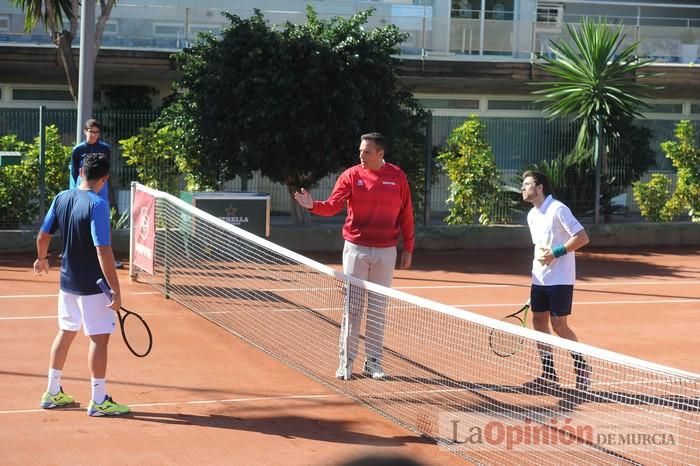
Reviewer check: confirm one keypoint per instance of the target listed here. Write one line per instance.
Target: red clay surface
(205, 397)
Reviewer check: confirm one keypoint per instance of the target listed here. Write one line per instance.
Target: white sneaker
(373, 369)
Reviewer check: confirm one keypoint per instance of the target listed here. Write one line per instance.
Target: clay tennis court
(203, 396)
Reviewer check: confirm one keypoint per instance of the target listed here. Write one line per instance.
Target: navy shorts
(556, 299)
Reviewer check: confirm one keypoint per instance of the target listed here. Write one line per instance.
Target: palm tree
(596, 81)
(53, 14)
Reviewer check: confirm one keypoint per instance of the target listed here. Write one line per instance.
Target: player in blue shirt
(91, 145)
(82, 217)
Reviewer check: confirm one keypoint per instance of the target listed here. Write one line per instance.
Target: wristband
(559, 251)
(42, 258)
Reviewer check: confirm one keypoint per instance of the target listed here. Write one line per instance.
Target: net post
(166, 259)
(132, 230)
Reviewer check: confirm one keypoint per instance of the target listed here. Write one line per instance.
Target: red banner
(144, 230)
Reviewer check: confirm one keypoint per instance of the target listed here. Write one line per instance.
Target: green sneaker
(107, 408)
(49, 401)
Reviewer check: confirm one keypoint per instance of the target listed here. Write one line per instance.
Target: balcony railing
(461, 37)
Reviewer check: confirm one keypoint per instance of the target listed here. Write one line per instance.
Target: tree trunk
(105, 11)
(64, 42)
(607, 205)
(598, 159)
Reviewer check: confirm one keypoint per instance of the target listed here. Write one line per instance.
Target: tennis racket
(135, 331)
(506, 344)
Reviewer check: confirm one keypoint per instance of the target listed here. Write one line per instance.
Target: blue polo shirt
(77, 156)
(83, 219)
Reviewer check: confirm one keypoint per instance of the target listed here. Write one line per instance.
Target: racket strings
(136, 334)
(505, 343)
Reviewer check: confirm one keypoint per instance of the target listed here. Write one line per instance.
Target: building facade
(461, 57)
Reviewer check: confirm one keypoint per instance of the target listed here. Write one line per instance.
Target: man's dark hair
(92, 123)
(540, 178)
(377, 138)
(95, 166)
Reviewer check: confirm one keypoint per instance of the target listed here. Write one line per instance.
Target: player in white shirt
(556, 234)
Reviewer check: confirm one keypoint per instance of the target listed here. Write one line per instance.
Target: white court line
(580, 284)
(584, 303)
(439, 287)
(193, 402)
(55, 295)
(29, 296)
(29, 317)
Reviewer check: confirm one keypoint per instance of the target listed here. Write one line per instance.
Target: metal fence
(516, 143)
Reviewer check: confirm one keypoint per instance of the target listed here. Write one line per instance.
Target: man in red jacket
(379, 209)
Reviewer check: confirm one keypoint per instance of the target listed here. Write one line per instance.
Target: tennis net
(442, 380)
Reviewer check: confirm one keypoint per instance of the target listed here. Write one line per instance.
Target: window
(111, 27)
(549, 15)
(515, 105)
(666, 108)
(499, 10)
(41, 94)
(434, 103)
(463, 9)
(169, 30)
(4, 23)
(694, 108)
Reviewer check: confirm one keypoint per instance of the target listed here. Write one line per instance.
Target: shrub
(476, 193)
(652, 197)
(19, 184)
(154, 154)
(685, 155)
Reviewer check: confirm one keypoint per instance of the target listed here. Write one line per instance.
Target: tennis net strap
(442, 379)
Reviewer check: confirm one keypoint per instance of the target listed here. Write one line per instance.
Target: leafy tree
(655, 201)
(596, 81)
(652, 196)
(570, 177)
(130, 97)
(293, 101)
(53, 14)
(476, 188)
(19, 184)
(154, 153)
(630, 157)
(684, 152)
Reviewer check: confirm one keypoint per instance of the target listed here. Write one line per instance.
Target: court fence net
(442, 380)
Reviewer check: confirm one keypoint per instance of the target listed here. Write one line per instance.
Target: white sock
(54, 381)
(98, 390)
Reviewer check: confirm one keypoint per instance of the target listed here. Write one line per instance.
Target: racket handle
(105, 288)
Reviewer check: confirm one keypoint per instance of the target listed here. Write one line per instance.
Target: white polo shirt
(552, 224)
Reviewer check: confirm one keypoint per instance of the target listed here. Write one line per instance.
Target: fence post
(428, 167)
(42, 163)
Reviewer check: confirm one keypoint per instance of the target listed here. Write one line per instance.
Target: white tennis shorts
(89, 311)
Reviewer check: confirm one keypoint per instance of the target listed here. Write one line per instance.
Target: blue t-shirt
(77, 156)
(83, 219)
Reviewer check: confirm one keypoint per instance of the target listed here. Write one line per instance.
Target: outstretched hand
(304, 199)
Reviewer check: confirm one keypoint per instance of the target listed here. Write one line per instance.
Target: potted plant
(689, 46)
